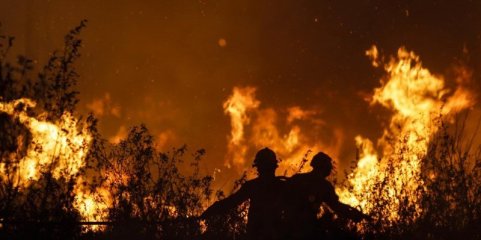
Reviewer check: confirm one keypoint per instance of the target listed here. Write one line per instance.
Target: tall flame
(237, 106)
(417, 98)
(59, 147)
(253, 128)
(58, 144)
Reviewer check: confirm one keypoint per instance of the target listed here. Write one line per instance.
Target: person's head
(265, 162)
(322, 164)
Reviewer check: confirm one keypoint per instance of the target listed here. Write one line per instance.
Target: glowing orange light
(416, 98)
(59, 146)
(254, 128)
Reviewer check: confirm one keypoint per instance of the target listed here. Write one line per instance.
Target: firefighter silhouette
(265, 194)
(305, 193)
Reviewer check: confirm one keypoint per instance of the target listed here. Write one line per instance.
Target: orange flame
(58, 146)
(417, 98)
(93, 205)
(253, 128)
(237, 106)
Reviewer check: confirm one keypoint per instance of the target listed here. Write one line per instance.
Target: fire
(92, 205)
(253, 128)
(417, 98)
(237, 106)
(364, 175)
(57, 146)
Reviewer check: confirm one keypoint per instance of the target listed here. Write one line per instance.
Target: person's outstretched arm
(347, 211)
(342, 209)
(226, 204)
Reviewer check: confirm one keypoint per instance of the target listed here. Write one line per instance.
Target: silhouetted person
(264, 193)
(305, 194)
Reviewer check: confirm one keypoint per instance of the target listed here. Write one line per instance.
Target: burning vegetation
(395, 185)
(419, 101)
(59, 178)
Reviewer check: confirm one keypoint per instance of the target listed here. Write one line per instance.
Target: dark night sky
(160, 62)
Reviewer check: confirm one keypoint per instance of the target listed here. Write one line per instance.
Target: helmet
(265, 158)
(321, 160)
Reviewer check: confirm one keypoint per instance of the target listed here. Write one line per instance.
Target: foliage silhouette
(151, 197)
(36, 210)
(448, 200)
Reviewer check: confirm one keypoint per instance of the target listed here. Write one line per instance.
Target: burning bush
(422, 184)
(60, 179)
(149, 194)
